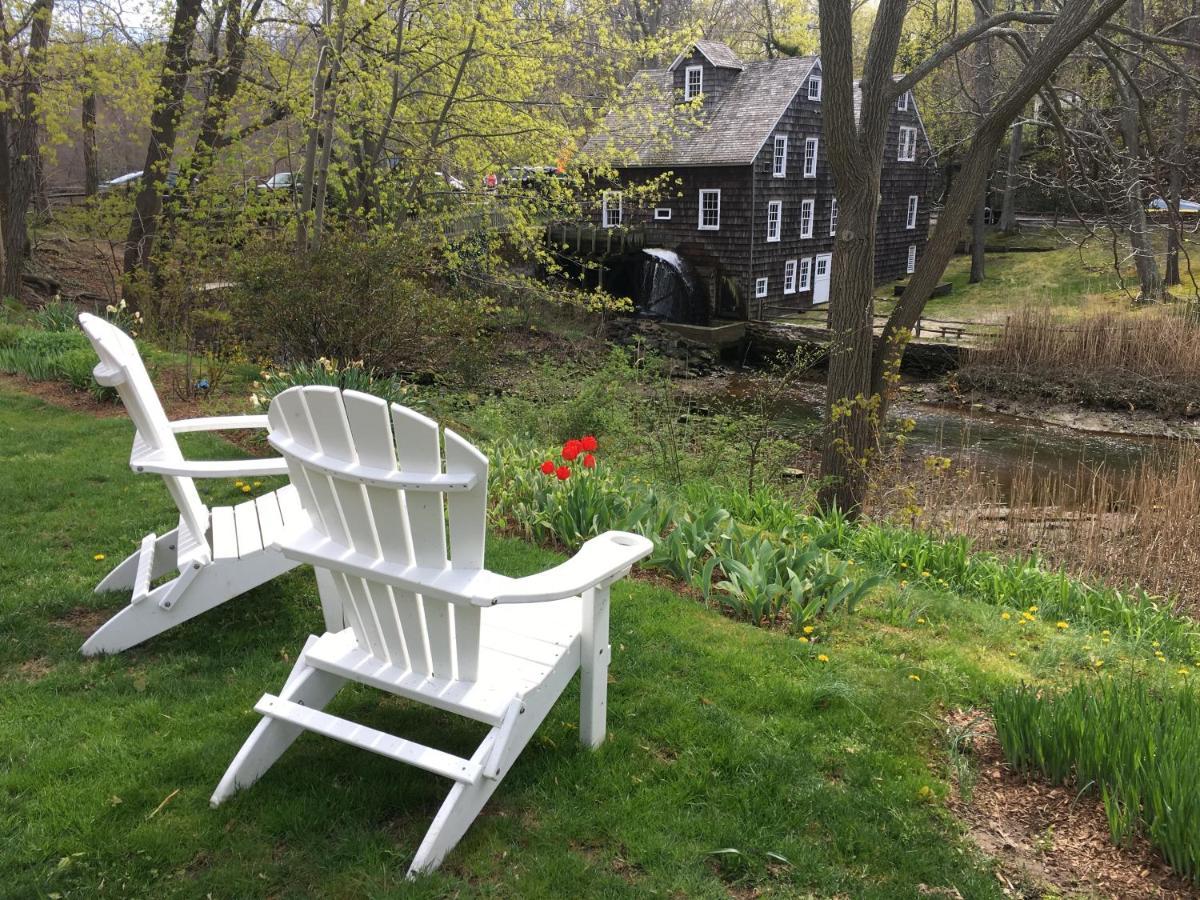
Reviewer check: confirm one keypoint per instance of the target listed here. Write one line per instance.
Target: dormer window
(693, 82)
(902, 103)
(814, 88)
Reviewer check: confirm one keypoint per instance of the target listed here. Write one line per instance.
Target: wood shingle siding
(728, 144)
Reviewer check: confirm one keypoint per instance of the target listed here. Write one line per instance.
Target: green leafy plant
(1131, 741)
(353, 376)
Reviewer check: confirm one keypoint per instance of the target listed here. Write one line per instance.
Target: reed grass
(1131, 742)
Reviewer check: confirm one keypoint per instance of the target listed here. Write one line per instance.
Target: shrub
(10, 334)
(351, 377)
(75, 368)
(356, 300)
(1131, 742)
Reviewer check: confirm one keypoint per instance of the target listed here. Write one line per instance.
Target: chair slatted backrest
(121, 367)
(330, 438)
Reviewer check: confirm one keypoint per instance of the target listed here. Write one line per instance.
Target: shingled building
(751, 201)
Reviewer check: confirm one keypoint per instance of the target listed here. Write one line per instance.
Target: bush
(353, 377)
(10, 334)
(1133, 743)
(361, 301)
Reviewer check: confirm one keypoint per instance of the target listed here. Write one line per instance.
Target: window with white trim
(789, 277)
(610, 209)
(833, 217)
(908, 144)
(779, 161)
(810, 157)
(662, 212)
(806, 274)
(760, 287)
(693, 82)
(710, 210)
(774, 219)
(814, 88)
(912, 259)
(902, 102)
(911, 223)
(806, 217)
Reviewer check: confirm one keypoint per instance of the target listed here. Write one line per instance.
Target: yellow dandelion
(903, 584)
(914, 677)
(821, 657)
(238, 483)
(904, 565)
(803, 639)
(1061, 626)
(98, 557)
(920, 621)
(1155, 645)
(1033, 609)
(1105, 632)
(1005, 616)
(1097, 663)
(925, 574)
(1183, 671)
(1012, 655)
(808, 629)
(258, 484)
(245, 488)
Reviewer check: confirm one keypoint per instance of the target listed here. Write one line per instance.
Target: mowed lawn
(826, 777)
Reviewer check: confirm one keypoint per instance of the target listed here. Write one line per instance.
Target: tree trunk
(1008, 212)
(91, 160)
(164, 125)
(983, 104)
(1179, 161)
(23, 152)
(328, 116)
(324, 79)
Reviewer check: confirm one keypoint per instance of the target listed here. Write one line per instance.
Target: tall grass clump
(1142, 360)
(1131, 742)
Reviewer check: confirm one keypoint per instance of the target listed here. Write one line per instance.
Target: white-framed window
(774, 219)
(806, 274)
(810, 157)
(912, 259)
(662, 213)
(693, 82)
(908, 144)
(789, 277)
(814, 88)
(806, 217)
(913, 200)
(710, 210)
(833, 217)
(902, 102)
(610, 209)
(779, 161)
(760, 287)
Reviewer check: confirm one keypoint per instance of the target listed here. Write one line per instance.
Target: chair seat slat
(249, 538)
(224, 533)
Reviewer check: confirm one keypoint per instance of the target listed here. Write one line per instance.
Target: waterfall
(670, 289)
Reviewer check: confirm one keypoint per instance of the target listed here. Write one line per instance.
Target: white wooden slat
(270, 519)
(363, 622)
(427, 758)
(397, 613)
(468, 520)
(141, 581)
(290, 508)
(249, 540)
(324, 501)
(224, 533)
(418, 450)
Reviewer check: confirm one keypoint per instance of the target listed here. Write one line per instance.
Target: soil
(1050, 839)
(84, 619)
(86, 270)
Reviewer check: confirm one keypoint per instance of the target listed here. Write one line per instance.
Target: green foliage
(356, 300)
(62, 355)
(57, 315)
(9, 334)
(351, 377)
(1131, 741)
(1021, 582)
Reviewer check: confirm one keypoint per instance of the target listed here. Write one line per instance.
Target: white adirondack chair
(426, 621)
(219, 553)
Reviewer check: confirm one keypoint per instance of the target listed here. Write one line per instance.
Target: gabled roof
(719, 54)
(648, 129)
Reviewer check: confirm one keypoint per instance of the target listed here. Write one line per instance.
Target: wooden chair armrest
(218, 423)
(602, 559)
(210, 468)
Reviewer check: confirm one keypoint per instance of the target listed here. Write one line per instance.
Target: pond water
(1001, 447)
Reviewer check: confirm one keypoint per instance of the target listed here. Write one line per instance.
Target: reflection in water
(1003, 448)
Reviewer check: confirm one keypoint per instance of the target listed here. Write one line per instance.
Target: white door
(821, 278)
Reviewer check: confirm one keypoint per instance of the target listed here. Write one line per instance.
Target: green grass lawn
(826, 777)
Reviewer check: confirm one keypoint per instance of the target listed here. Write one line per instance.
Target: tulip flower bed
(1133, 744)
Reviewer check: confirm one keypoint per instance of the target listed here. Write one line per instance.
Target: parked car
(1186, 207)
(132, 180)
(281, 181)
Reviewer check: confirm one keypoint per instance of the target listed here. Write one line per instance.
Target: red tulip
(588, 443)
(571, 449)
(548, 467)
(589, 462)
(563, 473)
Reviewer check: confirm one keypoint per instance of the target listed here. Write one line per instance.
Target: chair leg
(331, 601)
(271, 737)
(211, 586)
(594, 653)
(466, 800)
(122, 577)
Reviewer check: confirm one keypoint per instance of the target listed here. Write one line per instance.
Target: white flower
(254, 401)
(110, 309)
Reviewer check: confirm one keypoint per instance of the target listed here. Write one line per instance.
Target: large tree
(860, 366)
